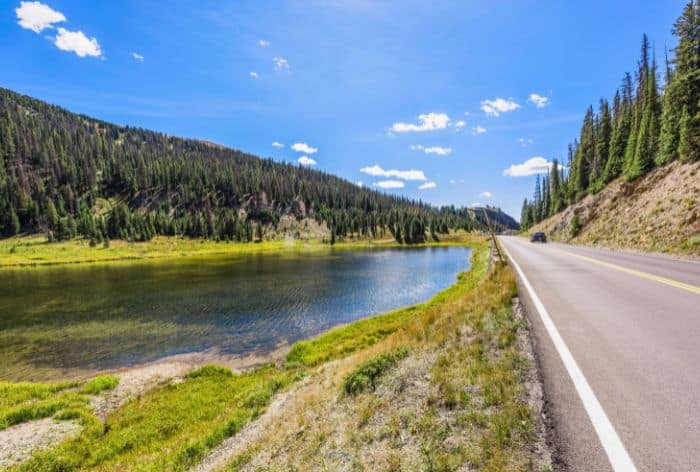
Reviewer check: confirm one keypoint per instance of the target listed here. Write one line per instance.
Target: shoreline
(32, 251)
(259, 356)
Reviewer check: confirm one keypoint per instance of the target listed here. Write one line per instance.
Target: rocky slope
(659, 212)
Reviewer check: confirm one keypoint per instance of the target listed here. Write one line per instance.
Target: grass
(476, 377)
(100, 384)
(169, 428)
(366, 374)
(27, 401)
(35, 250)
(342, 341)
(475, 415)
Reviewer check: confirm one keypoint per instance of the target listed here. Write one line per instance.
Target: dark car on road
(538, 238)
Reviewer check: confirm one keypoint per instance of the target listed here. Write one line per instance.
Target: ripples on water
(70, 319)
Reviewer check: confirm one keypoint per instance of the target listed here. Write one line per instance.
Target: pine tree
(555, 202)
(637, 108)
(621, 133)
(14, 224)
(602, 150)
(525, 222)
(583, 158)
(537, 201)
(646, 144)
(680, 133)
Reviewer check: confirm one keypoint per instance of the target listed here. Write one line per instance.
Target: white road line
(617, 454)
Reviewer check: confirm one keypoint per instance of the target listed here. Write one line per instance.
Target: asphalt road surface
(618, 341)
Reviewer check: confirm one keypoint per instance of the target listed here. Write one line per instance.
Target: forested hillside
(67, 175)
(646, 126)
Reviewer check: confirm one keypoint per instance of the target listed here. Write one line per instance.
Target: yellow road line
(673, 283)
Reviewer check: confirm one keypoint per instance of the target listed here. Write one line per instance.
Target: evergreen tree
(646, 144)
(525, 222)
(583, 159)
(680, 129)
(620, 134)
(602, 151)
(637, 109)
(556, 203)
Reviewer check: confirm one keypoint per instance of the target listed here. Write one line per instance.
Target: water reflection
(68, 319)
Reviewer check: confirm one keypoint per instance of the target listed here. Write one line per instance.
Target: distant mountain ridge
(68, 174)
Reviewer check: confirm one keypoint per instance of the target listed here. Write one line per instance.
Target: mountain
(499, 220)
(659, 212)
(68, 174)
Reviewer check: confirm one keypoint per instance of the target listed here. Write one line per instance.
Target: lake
(71, 320)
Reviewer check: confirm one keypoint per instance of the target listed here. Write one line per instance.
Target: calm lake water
(67, 320)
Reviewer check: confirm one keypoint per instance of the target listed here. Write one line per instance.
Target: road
(618, 341)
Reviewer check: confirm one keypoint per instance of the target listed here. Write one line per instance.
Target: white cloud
(77, 42)
(427, 185)
(440, 151)
(277, 145)
(540, 101)
(36, 16)
(428, 122)
(485, 195)
(478, 130)
(360, 183)
(280, 63)
(389, 184)
(453, 181)
(498, 106)
(137, 56)
(475, 205)
(253, 74)
(263, 43)
(460, 124)
(305, 148)
(525, 142)
(534, 165)
(377, 171)
(306, 161)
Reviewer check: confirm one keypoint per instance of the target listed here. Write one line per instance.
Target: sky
(451, 102)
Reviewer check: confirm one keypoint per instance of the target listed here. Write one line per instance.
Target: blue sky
(432, 100)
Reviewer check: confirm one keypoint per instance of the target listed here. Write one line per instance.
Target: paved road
(623, 378)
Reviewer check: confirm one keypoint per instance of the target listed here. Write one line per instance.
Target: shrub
(367, 373)
(100, 384)
(210, 371)
(575, 227)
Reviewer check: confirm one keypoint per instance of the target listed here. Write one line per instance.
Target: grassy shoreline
(175, 425)
(35, 251)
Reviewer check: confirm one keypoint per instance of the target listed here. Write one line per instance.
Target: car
(538, 238)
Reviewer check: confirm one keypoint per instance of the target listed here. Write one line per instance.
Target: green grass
(366, 374)
(26, 401)
(35, 250)
(100, 384)
(172, 427)
(342, 341)
(475, 416)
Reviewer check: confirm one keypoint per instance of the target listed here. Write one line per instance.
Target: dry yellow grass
(659, 212)
(457, 400)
